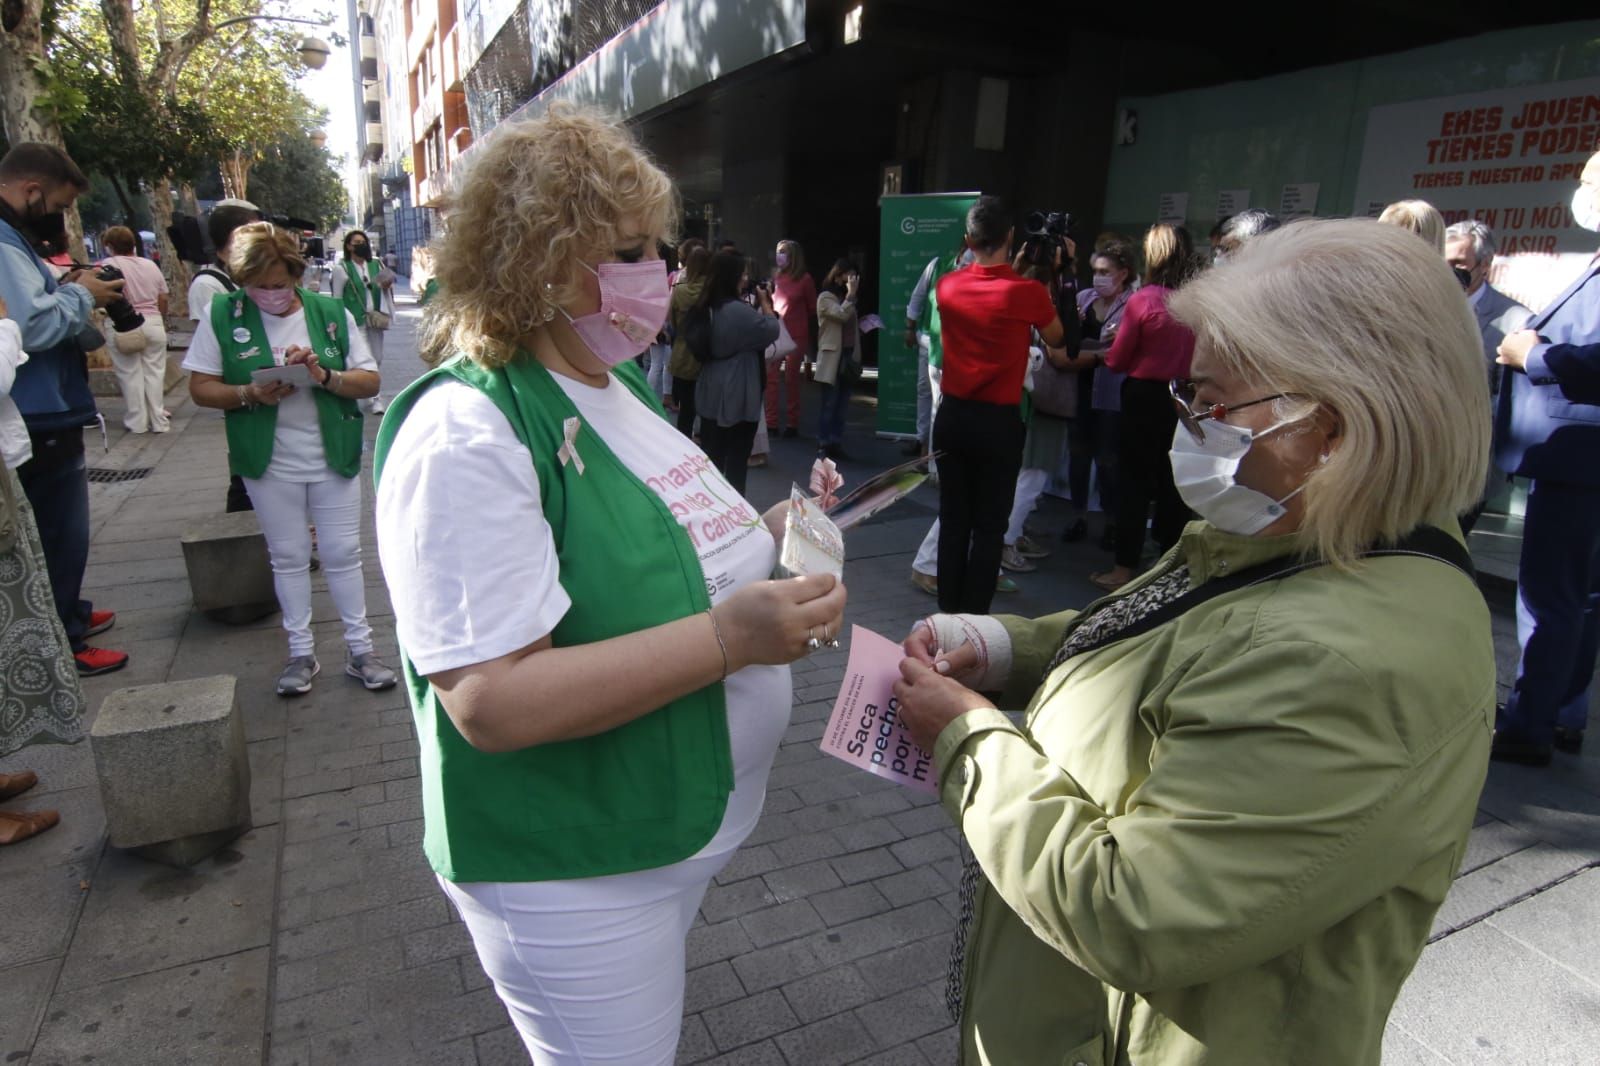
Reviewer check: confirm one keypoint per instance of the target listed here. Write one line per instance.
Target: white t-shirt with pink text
(471, 564)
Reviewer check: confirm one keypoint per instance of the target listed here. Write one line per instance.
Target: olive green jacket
(1223, 841)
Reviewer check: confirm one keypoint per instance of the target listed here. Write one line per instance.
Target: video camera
(1044, 232)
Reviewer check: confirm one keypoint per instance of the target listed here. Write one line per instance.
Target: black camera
(1042, 224)
(124, 319)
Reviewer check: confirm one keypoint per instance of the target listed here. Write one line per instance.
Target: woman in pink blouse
(140, 356)
(1153, 349)
(794, 297)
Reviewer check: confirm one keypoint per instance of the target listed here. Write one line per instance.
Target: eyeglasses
(1183, 397)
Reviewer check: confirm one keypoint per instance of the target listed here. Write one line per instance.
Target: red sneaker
(92, 661)
(100, 621)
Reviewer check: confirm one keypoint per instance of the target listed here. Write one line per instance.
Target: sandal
(17, 826)
(1106, 581)
(12, 785)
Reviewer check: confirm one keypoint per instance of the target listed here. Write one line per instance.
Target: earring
(547, 314)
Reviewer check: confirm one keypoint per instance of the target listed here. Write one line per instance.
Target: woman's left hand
(929, 701)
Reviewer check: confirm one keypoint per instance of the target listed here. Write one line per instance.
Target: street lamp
(314, 52)
(319, 138)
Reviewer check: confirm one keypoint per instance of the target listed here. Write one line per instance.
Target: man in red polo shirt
(987, 313)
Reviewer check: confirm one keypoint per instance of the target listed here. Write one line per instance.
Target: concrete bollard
(230, 577)
(173, 769)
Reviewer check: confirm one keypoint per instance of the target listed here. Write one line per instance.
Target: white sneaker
(1012, 560)
(378, 406)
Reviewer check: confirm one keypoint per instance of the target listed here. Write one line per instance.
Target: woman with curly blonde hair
(597, 661)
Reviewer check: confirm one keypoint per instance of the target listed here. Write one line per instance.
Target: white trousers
(285, 510)
(375, 346)
(142, 378)
(591, 970)
(1030, 486)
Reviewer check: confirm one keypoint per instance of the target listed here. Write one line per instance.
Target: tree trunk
(175, 269)
(188, 203)
(235, 170)
(21, 83)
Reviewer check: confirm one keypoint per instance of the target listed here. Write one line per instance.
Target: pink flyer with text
(863, 729)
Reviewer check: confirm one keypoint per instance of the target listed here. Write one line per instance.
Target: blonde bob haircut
(533, 203)
(1365, 322)
(257, 247)
(1420, 217)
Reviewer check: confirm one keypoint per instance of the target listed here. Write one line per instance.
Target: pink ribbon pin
(568, 452)
(825, 481)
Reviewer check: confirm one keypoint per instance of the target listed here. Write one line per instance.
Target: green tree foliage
(294, 177)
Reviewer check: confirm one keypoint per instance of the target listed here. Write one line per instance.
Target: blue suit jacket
(1549, 418)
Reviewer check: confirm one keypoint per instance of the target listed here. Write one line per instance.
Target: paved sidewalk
(321, 936)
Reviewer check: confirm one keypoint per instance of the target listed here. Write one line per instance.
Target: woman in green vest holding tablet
(298, 448)
(597, 659)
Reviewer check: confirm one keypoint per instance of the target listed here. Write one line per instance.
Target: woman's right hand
(268, 393)
(770, 622)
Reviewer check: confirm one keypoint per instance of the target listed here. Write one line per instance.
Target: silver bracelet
(244, 398)
(721, 644)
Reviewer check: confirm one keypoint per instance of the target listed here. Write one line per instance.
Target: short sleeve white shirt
(297, 452)
(471, 565)
(201, 290)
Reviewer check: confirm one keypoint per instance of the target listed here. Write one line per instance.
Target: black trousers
(728, 448)
(1144, 471)
(683, 392)
(56, 481)
(981, 446)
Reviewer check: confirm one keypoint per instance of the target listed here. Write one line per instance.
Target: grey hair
(1479, 235)
(1251, 222)
(1368, 323)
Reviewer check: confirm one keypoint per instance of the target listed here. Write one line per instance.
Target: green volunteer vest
(251, 433)
(354, 300)
(643, 795)
(935, 344)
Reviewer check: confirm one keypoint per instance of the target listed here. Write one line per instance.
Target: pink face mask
(634, 300)
(272, 301)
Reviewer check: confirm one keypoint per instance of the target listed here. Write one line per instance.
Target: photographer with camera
(52, 387)
(139, 343)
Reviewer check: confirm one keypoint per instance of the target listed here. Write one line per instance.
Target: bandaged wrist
(987, 636)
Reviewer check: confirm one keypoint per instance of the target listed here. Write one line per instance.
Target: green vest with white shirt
(252, 432)
(646, 794)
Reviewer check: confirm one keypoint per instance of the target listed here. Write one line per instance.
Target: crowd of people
(294, 451)
(1246, 775)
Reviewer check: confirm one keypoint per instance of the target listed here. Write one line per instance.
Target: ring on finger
(827, 641)
(812, 643)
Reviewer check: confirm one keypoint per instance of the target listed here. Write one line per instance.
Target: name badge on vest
(249, 353)
(241, 335)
